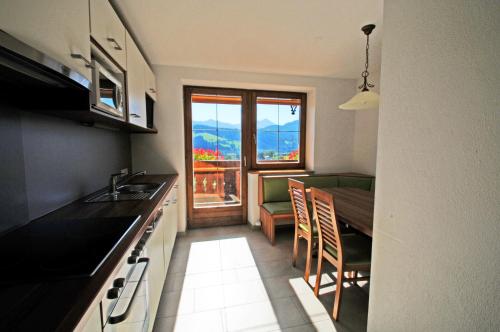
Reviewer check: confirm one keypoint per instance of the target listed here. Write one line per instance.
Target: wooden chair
(304, 229)
(348, 253)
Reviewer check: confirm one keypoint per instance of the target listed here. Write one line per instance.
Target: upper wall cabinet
(57, 28)
(107, 30)
(136, 84)
(150, 82)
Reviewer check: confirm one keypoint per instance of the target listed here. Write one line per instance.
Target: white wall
(437, 203)
(329, 131)
(364, 153)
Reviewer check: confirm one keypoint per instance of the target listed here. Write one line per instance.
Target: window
(278, 131)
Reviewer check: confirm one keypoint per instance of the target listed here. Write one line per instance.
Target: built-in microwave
(108, 86)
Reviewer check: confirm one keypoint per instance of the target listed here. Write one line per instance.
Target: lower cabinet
(93, 323)
(160, 247)
(170, 231)
(156, 276)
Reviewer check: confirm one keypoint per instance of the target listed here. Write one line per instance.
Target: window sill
(279, 171)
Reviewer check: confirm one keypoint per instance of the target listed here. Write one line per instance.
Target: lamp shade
(361, 101)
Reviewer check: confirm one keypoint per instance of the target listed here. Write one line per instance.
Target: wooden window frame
(219, 216)
(254, 165)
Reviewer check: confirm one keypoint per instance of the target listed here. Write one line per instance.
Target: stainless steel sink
(139, 187)
(129, 192)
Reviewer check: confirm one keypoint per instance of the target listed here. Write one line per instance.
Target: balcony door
(215, 133)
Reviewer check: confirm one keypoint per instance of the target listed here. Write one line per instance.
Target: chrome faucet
(113, 181)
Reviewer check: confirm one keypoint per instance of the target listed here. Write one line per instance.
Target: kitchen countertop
(59, 305)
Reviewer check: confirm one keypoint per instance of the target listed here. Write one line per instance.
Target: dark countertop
(59, 305)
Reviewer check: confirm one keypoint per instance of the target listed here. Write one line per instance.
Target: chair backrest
(328, 227)
(299, 203)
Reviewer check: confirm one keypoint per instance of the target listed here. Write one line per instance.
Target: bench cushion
(357, 250)
(355, 182)
(278, 207)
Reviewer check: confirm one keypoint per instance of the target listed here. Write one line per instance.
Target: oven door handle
(123, 315)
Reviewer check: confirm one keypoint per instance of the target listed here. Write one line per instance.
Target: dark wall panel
(13, 200)
(61, 162)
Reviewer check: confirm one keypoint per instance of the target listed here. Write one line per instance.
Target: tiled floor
(232, 279)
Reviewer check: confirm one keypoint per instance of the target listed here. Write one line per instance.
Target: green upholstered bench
(274, 198)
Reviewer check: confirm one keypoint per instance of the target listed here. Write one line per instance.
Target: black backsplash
(47, 162)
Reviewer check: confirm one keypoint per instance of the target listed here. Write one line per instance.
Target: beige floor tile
(203, 279)
(196, 322)
(256, 317)
(244, 292)
(208, 298)
(176, 303)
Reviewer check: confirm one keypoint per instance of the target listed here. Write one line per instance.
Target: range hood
(32, 79)
(19, 61)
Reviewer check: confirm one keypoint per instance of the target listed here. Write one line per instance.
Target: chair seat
(305, 228)
(278, 207)
(357, 250)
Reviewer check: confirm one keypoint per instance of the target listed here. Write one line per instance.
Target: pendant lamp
(365, 99)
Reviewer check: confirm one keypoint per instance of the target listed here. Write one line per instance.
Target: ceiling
(298, 37)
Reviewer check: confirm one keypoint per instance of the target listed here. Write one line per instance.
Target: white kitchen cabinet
(170, 230)
(57, 28)
(93, 323)
(156, 276)
(136, 84)
(108, 31)
(150, 82)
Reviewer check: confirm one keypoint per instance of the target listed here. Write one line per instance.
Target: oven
(125, 306)
(108, 82)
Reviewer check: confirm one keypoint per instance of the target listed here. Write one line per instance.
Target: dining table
(353, 206)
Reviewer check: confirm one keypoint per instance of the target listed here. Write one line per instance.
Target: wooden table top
(354, 207)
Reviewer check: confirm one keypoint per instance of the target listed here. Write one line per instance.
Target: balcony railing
(216, 182)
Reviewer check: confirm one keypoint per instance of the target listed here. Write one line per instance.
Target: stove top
(60, 249)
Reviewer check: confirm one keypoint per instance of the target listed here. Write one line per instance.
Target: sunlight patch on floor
(315, 310)
(328, 283)
(223, 290)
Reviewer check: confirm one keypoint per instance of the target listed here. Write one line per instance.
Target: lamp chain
(365, 73)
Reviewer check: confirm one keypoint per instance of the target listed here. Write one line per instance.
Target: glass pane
(216, 151)
(267, 116)
(267, 146)
(289, 143)
(289, 118)
(203, 115)
(230, 144)
(278, 129)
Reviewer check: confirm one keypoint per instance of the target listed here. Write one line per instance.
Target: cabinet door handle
(116, 46)
(134, 115)
(88, 64)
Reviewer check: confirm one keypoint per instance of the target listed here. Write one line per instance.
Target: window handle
(245, 161)
(254, 139)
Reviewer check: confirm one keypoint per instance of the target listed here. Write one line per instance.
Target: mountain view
(270, 144)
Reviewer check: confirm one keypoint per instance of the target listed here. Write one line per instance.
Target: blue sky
(232, 113)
